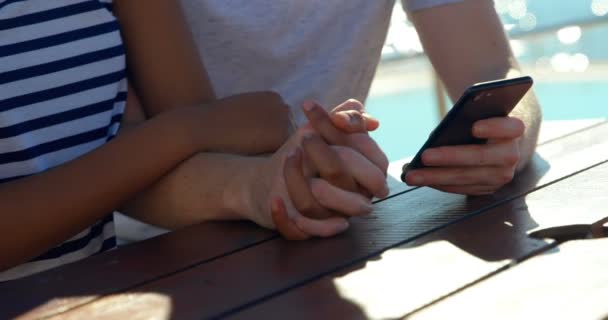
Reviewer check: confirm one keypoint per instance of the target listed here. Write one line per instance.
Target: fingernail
(386, 190)
(367, 207)
(354, 121)
(344, 225)
(308, 105)
(415, 178)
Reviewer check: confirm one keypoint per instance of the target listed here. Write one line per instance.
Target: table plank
(60, 289)
(405, 279)
(274, 267)
(67, 287)
(555, 129)
(569, 282)
(137, 264)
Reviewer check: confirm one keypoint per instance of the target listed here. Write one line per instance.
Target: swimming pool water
(406, 118)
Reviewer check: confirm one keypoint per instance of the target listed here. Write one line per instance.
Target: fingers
(349, 105)
(328, 163)
(285, 226)
(299, 188)
(353, 121)
(486, 176)
(499, 128)
(339, 200)
(491, 154)
(350, 121)
(322, 228)
(334, 135)
(304, 228)
(370, 149)
(319, 119)
(366, 174)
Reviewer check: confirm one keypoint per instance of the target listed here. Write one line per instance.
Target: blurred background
(562, 44)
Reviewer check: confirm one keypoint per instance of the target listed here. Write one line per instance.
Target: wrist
(242, 195)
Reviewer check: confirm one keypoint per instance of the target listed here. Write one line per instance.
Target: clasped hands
(330, 169)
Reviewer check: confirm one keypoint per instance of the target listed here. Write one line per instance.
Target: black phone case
(480, 101)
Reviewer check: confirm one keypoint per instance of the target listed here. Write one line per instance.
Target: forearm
(45, 209)
(164, 63)
(466, 43)
(208, 186)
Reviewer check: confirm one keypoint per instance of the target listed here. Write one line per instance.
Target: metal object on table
(594, 230)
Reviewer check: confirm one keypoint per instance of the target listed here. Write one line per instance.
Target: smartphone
(480, 101)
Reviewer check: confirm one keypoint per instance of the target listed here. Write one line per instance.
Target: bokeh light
(564, 62)
(527, 22)
(579, 62)
(517, 9)
(501, 6)
(569, 35)
(599, 7)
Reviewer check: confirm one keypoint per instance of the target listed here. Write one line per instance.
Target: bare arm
(163, 61)
(168, 73)
(209, 185)
(43, 210)
(466, 43)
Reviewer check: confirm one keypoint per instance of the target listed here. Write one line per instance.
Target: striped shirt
(62, 94)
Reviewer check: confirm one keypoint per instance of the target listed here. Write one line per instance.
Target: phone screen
(480, 101)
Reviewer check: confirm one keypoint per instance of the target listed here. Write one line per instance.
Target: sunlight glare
(398, 282)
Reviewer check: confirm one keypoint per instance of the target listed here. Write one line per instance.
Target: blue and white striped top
(62, 94)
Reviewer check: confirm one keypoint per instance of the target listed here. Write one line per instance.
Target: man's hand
(474, 169)
(333, 177)
(347, 125)
(294, 179)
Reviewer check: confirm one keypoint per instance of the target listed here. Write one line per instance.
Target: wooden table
(422, 254)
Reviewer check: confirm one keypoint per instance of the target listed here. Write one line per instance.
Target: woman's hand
(260, 122)
(326, 183)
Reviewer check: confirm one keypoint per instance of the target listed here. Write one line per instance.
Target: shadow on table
(493, 236)
(498, 231)
(497, 235)
(421, 228)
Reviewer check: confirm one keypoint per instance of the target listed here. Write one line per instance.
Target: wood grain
(60, 289)
(69, 286)
(64, 288)
(410, 277)
(569, 282)
(252, 276)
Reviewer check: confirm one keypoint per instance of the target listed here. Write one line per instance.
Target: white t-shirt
(326, 50)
